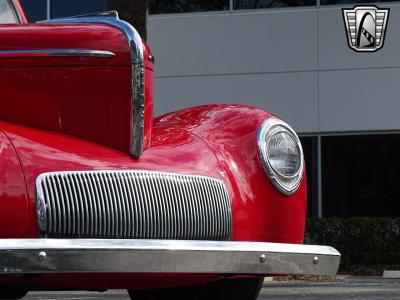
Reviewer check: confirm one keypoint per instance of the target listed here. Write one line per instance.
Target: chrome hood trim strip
(56, 52)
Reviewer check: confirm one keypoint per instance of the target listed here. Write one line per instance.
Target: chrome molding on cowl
(136, 47)
(56, 52)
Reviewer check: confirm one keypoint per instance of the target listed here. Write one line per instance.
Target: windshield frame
(14, 12)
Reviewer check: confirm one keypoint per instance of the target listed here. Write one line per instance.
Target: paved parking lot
(353, 288)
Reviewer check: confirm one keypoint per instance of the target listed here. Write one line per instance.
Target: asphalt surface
(351, 288)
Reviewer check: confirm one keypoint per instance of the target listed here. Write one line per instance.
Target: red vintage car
(97, 194)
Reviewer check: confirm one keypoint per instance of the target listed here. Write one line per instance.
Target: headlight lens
(281, 154)
(284, 154)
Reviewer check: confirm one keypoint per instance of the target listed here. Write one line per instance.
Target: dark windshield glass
(62, 8)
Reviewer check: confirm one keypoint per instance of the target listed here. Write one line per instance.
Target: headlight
(281, 154)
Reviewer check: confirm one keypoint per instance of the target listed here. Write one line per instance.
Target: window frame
(355, 3)
(228, 9)
(233, 8)
(15, 12)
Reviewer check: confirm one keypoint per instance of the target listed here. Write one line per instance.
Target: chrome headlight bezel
(269, 128)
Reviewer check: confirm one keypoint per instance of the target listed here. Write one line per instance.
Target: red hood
(81, 95)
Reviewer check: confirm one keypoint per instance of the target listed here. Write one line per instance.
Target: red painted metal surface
(89, 97)
(13, 196)
(189, 141)
(217, 141)
(42, 110)
(172, 150)
(260, 211)
(67, 36)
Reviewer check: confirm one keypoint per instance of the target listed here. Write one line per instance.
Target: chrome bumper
(24, 256)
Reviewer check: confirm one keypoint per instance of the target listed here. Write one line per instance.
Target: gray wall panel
(293, 96)
(240, 42)
(358, 91)
(360, 100)
(334, 52)
(269, 59)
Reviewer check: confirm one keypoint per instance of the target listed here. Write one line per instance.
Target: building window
(254, 4)
(35, 10)
(62, 8)
(329, 2)
(310, 148)
(183, 6)
(360, 176)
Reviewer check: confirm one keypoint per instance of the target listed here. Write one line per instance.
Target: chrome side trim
(24, 256)
(132, 204)
(137, 61)
(56, 52)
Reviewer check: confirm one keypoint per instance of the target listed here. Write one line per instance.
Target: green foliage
(361, 241)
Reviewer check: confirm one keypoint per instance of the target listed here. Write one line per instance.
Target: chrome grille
(133, 204)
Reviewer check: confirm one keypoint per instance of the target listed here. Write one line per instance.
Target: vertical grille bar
(133, 204)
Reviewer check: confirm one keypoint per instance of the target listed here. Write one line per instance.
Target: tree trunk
(132, 11)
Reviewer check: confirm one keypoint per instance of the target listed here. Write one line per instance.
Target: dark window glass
(34, 10)
(253, 4)
(327, 2)
(182, 6)
(62, 8)
(310, 148)
(361, 176)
